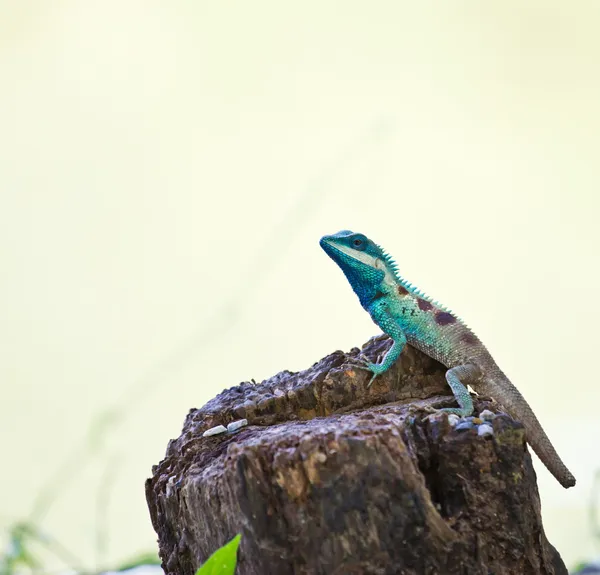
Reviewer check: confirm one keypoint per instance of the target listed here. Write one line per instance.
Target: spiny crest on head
(389, 261)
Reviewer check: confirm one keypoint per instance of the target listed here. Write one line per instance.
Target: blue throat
(365, 281)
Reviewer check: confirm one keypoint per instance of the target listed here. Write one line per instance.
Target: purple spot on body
(444, 318)
(424, 305)
(402, 290)
(469, 338)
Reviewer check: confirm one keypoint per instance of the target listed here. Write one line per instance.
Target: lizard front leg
(385, 320)
(458, 377)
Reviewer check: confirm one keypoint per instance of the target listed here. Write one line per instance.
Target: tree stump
(332, 477)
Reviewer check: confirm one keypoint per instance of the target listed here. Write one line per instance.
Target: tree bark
(332, 477)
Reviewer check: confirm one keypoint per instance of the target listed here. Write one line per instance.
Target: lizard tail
(510, 397)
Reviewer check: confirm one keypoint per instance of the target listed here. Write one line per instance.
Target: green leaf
(223, 560)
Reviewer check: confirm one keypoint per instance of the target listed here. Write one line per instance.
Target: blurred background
(166, 172)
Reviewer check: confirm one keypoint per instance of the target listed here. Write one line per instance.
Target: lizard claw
(429, 409)
(374, 368)
(362, 366)
(371, 380)
(366, 364)
(363, 362)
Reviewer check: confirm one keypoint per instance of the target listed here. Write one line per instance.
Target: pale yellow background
(166, 171)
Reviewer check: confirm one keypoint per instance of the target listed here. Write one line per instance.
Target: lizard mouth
(330, 248)
(335, 252)
(327, 244)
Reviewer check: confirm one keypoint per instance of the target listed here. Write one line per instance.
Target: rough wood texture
(331, 477)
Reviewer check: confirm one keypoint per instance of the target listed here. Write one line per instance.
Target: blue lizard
(409, 316)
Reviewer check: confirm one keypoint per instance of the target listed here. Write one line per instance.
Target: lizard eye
(359, 242)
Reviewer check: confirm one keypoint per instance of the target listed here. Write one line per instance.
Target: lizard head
(363, 262)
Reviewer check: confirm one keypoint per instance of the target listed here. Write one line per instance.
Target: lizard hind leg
(458, 377)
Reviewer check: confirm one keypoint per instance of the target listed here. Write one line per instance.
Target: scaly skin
(408, 315)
